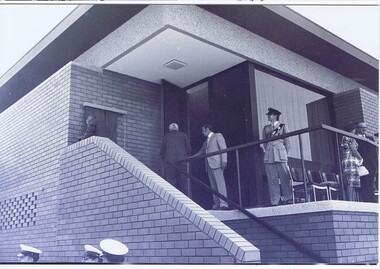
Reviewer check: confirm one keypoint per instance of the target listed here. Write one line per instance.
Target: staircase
(105, 192)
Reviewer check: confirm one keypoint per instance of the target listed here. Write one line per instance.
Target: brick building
(189, 64)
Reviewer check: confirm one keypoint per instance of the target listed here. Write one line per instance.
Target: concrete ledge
(319, 206)
(233, 243)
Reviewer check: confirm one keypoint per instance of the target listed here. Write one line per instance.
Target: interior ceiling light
(174, 64)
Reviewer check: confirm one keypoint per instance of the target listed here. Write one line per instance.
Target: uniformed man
(92, 255)
(276, 159)
(113, 251)
(28, 254)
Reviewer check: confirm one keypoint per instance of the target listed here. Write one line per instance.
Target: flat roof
(286, 28)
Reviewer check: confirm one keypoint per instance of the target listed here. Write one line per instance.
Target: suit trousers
(177, 179)
(275, 171)
(217, 183)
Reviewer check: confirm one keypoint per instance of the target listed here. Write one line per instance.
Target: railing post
(303, 167)
(340, 166)
(189, 191)
(238, 175)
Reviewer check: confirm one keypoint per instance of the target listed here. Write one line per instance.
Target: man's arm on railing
(201, 152)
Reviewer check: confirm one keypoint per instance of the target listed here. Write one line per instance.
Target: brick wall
(106, 193)
(370, 107)
(140, 130)
(357, 105)
(348, 107)
(273, 249)
(32, 132)
(38, 126)
(338, 236)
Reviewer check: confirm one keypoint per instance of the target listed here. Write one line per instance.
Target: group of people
(112, 251)
(176, 147)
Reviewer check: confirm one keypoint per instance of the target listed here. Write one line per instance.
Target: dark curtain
(106, 122)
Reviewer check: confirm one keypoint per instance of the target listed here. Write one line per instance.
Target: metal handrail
(251, 216)
(290, 134)
(298, 133)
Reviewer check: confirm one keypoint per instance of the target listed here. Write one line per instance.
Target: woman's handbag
(362, 171)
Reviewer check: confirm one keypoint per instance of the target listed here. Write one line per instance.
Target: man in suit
(370, 161)
(215, 165)
(276, 159)
(175, 146)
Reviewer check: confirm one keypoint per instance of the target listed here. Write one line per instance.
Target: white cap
(113, 247)
(89, 248)
(25, 248)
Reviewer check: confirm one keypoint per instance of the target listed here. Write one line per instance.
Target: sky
(23, 26)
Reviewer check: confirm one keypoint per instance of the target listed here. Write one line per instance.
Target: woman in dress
(351, 160)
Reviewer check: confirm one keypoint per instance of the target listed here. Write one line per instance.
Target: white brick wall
(136, 206)
(32, 132)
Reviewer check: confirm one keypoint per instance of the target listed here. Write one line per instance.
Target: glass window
(296, 104)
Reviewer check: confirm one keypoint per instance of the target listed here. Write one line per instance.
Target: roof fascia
(323, 34)
(41, 45)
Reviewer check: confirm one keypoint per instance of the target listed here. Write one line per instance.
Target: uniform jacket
(175, 146)
(215, 143)
(276, 151)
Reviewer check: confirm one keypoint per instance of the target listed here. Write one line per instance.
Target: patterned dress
(350, 166)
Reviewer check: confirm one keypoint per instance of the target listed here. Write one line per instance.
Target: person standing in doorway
(276, 160)
(91, 127)
(215, 165)
(176, 146)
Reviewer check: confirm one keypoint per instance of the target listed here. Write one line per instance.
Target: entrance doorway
(198, 112)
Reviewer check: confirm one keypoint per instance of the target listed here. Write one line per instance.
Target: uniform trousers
(217, 183)
(275, 171)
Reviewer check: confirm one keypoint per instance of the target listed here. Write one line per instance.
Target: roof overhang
(288, 29)
(300, 35)
(62, 45)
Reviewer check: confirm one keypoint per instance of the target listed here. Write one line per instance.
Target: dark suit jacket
(215, 143)
(369, 155)
(175, 146)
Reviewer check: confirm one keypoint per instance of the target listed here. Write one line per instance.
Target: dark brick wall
(357, 105)
(140, 130)
(370, 107)
(338, 236)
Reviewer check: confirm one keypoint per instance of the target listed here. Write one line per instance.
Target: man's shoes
(214, 207)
